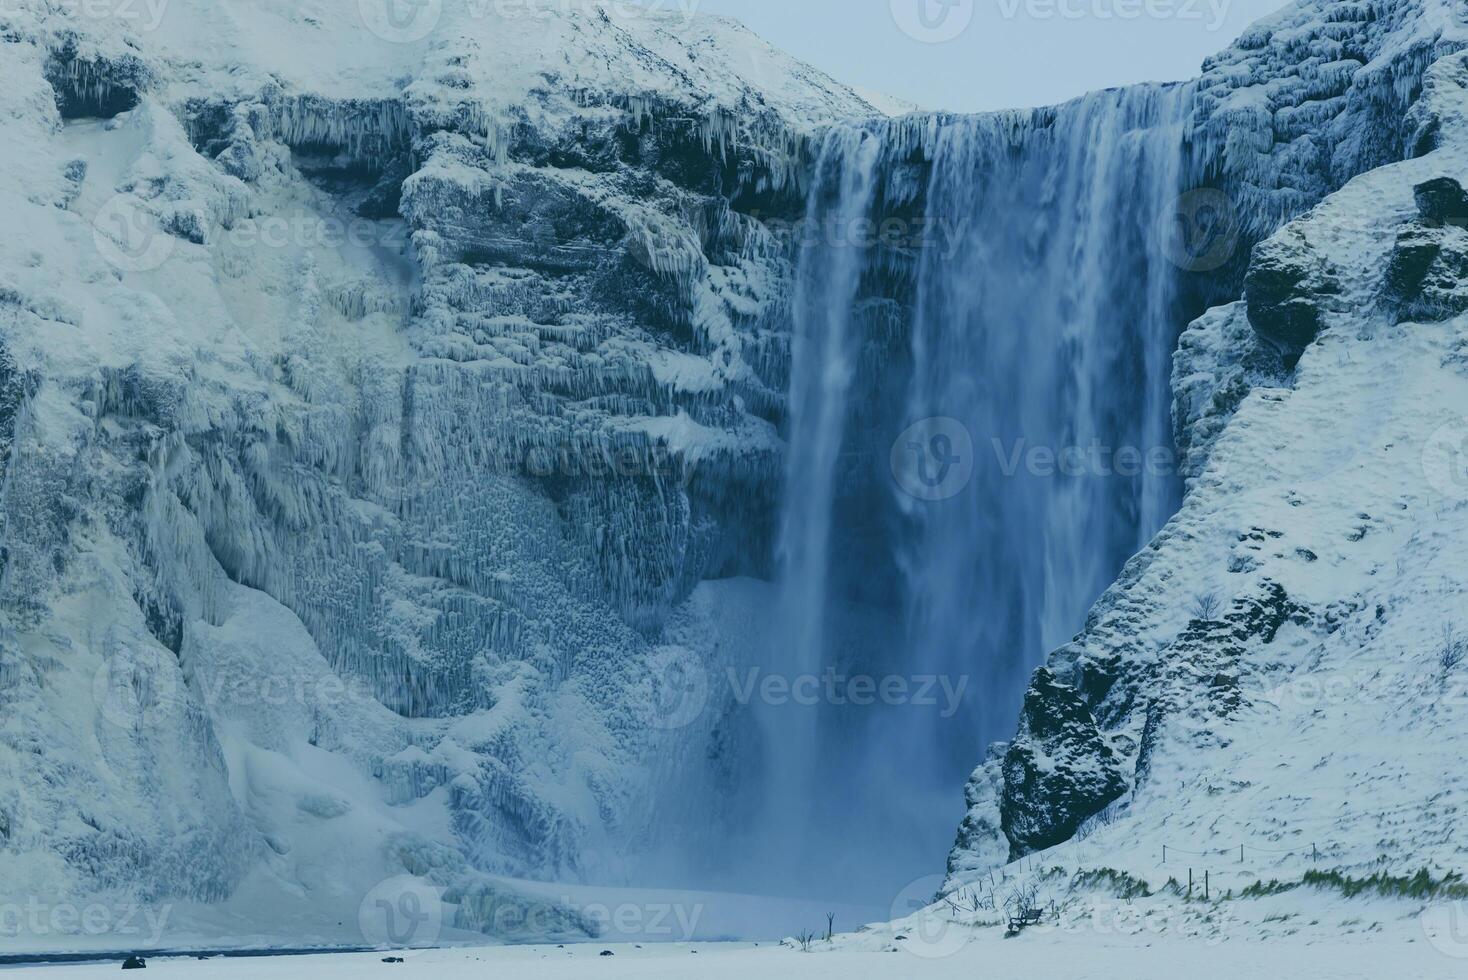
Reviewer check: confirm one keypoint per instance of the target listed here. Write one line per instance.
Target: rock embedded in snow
(1058, 771)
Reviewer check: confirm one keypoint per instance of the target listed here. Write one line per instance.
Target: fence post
(1164, 853)
(1205, 886)
(1190, 884)
(1241, 853)
(1314, 853)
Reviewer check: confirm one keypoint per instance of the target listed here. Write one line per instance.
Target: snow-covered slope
(1275, 686)
(373, 399)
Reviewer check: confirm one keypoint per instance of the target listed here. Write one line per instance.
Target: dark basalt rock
(1441, 200)
(134, 963)
(1426, 275)
(1284, 289)
(1058, 771)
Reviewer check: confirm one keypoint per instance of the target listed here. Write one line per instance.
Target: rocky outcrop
(1285, 287)
(1058, 771)
(1424, 281)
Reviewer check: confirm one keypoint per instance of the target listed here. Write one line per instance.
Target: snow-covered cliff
(1272, 685)
(371, 397)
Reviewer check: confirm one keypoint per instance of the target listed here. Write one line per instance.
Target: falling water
(824, 365)
(1017, 332)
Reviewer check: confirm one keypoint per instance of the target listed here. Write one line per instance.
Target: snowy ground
(1038, 956)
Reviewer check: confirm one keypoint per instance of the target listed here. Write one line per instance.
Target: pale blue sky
(1010, 53)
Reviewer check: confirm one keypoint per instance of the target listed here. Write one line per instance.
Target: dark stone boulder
(1284, 289)
(134, 963)
(1427, 272)
(1441, 201)
(1058, 771)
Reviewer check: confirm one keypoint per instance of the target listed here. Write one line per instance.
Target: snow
(1143, 955)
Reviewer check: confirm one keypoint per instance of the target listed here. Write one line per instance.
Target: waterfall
(978, 437)
(823, 367)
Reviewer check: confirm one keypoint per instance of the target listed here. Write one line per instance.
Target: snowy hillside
(1273, 686)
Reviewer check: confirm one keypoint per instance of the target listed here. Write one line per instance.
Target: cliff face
(1270, 670)
(373, 401)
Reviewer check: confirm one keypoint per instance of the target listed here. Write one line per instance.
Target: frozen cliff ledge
(373, 400)
(1310, 592)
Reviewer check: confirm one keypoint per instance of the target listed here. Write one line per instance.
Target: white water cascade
(1007, 276)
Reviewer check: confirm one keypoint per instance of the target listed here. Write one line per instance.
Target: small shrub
(1419, 886)
(1453, 649)
(1205, 607)
(1119, 883)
